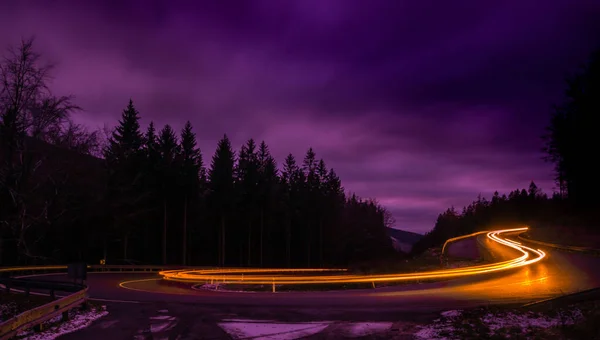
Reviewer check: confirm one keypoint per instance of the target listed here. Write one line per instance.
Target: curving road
(559, 273)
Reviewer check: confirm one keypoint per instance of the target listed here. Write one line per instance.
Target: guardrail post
(65, 316)
(52, 296)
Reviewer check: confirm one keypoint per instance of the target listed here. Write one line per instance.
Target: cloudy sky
(421, 104)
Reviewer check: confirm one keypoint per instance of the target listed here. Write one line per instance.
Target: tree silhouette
(149, 190)
(571, 140)
(221, 179)
(267, 188)
(247, 190)
(168, 149)
(192, 177)
(520, 207)
(126, 194)
(291, 179)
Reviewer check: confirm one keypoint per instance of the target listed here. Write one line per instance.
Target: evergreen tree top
(126, 139)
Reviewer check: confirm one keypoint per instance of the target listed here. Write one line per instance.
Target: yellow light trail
(276, 276)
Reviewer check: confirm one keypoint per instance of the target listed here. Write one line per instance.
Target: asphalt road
(199, 312)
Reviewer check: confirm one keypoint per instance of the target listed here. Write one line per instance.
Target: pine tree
(151, 179)
(150, 141)
(126, 140)
(533, 191)
(192, 178)
(124, 157)
(289, 191)
(309, 167)
(324, 203)
(168, 168)
(267, 186)
(571, 141)
(221, 183)
(247, 186)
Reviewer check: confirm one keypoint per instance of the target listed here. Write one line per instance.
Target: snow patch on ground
(530, 320)
(451, 313)
(209, 286)
(435, 331)
(448, 326)
(221, 288)
(55, 328)
(367, 328)
(269, 330)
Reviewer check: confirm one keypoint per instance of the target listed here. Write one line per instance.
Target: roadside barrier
(560, 246)
(37, 316)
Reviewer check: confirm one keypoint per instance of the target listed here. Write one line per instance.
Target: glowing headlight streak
(276, 276)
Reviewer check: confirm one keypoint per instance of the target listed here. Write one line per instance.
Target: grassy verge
(577, 321)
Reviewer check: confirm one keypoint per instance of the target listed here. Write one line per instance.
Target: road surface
(198, 313)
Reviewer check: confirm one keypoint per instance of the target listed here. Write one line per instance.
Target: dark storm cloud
(422, 104)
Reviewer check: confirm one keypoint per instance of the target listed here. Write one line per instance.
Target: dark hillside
(404, 236)
(60, 204)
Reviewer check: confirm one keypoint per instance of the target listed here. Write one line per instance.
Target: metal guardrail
(39, 315)
(28, 284)
(444, 257)
(560, 246)
(458, 238)
(93, 268)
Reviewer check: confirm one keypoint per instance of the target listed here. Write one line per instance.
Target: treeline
(520, 207)
(240, 210)
(153, 199)
(572, 142)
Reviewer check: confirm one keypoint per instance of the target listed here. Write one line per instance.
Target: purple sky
(421, 104)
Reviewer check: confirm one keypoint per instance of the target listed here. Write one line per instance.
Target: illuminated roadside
(275, 277)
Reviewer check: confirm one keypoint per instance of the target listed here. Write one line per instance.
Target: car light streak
(276, 276)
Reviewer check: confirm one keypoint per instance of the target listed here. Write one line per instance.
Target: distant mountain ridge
(403, 240)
